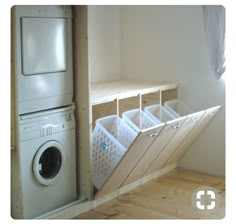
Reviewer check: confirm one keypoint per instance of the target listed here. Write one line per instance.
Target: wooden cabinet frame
(96, 100)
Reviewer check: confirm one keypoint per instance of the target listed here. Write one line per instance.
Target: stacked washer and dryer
(43, 161)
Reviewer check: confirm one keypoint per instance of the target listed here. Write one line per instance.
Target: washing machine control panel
(56, 125)
(47, 125)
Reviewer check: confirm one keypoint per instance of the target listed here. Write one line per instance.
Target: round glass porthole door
(48, 162)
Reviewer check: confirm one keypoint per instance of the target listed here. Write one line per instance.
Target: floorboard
(168, 197)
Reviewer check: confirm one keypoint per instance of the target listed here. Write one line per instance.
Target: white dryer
(47, 161)
(42, 56)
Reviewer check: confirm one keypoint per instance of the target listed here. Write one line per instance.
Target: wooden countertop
(102, 92)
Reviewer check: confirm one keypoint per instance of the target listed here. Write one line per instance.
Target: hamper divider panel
(195, 132)
(150, 99)
(169, 94)
(103, 110)
(128, 104)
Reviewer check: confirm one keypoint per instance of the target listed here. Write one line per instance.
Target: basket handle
(154, 134)
(196, 119)
(176, 126)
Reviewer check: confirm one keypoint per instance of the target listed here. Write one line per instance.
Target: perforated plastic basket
(139, 120)
(111, 138)
(177, 108)
(158, 112)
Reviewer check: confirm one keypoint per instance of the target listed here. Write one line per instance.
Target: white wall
(167, 43)
(104, 42)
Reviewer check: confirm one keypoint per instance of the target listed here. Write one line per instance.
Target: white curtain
(214, 23)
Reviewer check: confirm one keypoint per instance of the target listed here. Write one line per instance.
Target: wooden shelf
(102, 92)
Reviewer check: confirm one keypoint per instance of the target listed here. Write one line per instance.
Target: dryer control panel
(42, 125)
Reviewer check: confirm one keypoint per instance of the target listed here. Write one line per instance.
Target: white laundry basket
(111, 138)
(177, 108)
(139, 120)
(159, 112)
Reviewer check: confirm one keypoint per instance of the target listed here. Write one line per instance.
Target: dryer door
(48, 162)
(44, 47)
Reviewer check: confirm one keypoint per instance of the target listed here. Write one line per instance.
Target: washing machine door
(48, 162)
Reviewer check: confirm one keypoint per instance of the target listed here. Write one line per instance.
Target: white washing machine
(47, 161)
(42, 46)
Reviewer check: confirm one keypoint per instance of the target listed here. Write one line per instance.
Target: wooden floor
(169, 197)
